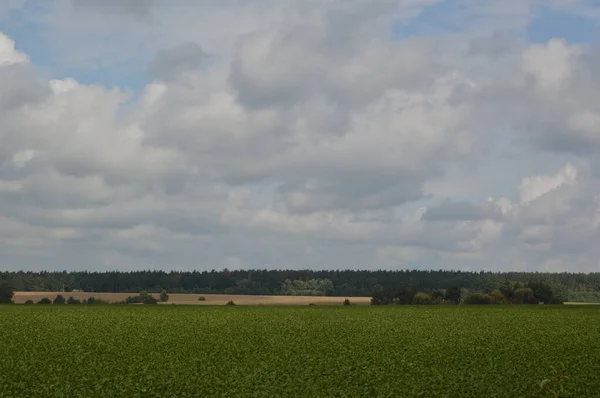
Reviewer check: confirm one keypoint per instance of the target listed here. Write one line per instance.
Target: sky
(322, 134)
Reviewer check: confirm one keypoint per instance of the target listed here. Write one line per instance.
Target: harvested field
(192, 299)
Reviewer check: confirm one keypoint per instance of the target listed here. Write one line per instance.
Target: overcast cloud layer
(325, 134)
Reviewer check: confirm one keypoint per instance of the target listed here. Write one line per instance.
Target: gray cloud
(138, 8)
(310, 140)
(462, 211)
(169, 64)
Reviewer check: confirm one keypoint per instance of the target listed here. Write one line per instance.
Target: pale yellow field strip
(192, 299)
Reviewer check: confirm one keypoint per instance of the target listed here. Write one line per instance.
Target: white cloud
(298, 134)
(8, 54)
(533, 187)
(551, 63)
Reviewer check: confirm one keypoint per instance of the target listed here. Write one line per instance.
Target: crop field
(208, 351)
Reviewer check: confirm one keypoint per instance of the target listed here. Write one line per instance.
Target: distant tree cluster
(339, 283)
(60, 300)
(311, 287)
(533, 292)
(142, 298)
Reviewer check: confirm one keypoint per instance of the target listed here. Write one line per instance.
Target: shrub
(422, 299)
(497, 297)
(73, 300)
(45, 300)
(376, 300)
(346, 302)
(230, 302)
(93, 300)
(59, 299)
(164, 297)
(143, 298)
(201, 298)
(29, 302)
(477, 298)
(524, 295)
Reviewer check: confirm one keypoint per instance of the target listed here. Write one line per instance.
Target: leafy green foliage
(6, 293)
(311, 287)
(535, 292)
(143, 298)
(347, 302)
(59, 299)
(405, 294)
(555, 385)
(72, 300)
(524, 295)
(201, 298)
(394, 351)
(453, 294)
(28, 302)
(387, 295)
(93, 300)
(497, 297)
(422, 299)
(230, 302)
(346, 283)
(584, 297)
(45, 300)
(477, 298)
(544, 293)
(164, 297)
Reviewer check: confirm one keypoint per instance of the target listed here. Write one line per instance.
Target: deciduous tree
(164, 297)
(452, 294)
(6, 293)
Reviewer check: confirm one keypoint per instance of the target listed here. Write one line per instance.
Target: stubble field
(204, 351)
(192, 299)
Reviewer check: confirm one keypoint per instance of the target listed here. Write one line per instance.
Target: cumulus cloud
(533, 187)
(299, 134)
(8, 54)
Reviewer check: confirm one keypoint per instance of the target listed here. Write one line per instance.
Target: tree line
(534, 292)
(348, 283)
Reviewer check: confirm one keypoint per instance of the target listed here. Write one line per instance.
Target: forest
(578, 287)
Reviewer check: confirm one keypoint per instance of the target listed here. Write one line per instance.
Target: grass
(191, 351)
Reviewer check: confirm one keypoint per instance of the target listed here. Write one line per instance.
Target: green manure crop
(190, 351)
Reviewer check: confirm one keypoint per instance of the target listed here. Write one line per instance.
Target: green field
(181, 351)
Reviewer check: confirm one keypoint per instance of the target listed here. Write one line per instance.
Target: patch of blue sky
(32, 35)
(550, 23)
